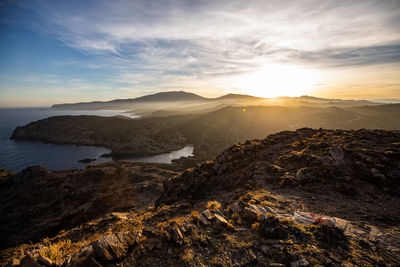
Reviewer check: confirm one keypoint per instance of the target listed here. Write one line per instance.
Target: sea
(17, 155)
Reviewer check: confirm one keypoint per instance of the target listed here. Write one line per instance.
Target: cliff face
(123, 136)
(302, 198)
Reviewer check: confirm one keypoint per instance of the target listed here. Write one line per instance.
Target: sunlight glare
(275, 80)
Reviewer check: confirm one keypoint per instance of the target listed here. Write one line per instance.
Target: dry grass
(255, 226)
(213, 205)
(187, 255)
(268, 203)
(235, 242)
(195, 217)
(56, 251)
(236, 218)
(162, 226)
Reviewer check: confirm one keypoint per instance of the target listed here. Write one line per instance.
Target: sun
(275, 80)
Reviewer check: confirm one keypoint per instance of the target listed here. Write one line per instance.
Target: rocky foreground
(302, 198)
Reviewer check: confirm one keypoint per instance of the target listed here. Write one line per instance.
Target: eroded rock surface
(36, 203)
(303, 198)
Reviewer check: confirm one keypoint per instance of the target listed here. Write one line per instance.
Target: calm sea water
(17, 155)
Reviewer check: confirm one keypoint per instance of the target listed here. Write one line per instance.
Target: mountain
(310, 197)
(184, 102)
(237, 97)
(386, 100)
(172, 96)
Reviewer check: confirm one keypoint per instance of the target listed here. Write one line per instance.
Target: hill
(188, 102)
(295, 198)
(172, 96)
(210, 133)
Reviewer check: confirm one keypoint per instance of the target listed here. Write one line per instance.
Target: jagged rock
(303, 218)
(258, 209)
(84, 258)
(220, 220)
(208, 214)
(28, 261)
(14, 262)
(272, 228)
(44, 261)
(235, 208)
(109, 248)
(176, 234)
(114, 246)
(300, 263)
(250, 215)
(203, 219)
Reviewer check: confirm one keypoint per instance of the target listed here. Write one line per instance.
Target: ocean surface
(17, 155)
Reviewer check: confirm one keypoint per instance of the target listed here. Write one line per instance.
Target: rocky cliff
(296, 198)
(122, 135)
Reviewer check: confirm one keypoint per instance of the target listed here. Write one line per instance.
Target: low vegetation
(300, 198)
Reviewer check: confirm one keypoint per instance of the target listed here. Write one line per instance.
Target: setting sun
(278, 80)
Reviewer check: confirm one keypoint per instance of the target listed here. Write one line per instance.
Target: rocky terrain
(296, 198)
(36, 202)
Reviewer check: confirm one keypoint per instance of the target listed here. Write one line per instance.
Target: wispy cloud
(179, 44)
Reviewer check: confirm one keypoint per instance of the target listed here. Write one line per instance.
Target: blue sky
(68, 51)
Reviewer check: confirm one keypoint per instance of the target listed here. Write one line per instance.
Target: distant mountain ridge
(182, 96)
(171, 96)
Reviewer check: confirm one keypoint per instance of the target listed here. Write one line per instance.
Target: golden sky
(69, 51)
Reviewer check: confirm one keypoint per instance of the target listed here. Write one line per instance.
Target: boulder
(272, 228)
(250, 215)
(235, 208)
(28, 261)
(44, 261)
(208, 214)
(114, 246)
(203, 219)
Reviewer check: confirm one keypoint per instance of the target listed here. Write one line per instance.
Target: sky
(71, 51)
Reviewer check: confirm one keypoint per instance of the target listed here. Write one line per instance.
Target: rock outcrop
(36, 203)
(123, 136)
(303, 198)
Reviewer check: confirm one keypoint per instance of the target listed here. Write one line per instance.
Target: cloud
(178, 44)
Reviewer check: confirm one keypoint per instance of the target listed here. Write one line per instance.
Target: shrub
(187, 255)
(195, 217)
(56, 251)
(213, 205)
(255, 226)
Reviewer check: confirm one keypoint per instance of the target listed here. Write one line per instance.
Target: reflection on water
(187, 151)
